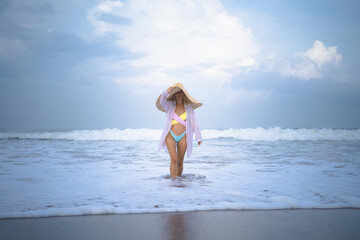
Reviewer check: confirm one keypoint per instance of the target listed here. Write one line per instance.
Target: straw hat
(187, 97)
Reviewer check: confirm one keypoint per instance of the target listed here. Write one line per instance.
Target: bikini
(178, 119)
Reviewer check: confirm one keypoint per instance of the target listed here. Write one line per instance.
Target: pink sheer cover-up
(191, 123)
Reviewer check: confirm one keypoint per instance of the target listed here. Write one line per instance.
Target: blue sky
(102, 64)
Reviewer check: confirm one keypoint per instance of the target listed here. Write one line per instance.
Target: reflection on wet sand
(176, 226)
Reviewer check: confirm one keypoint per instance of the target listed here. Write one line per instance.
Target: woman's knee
(174, 159)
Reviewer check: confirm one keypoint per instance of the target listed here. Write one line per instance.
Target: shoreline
(333, 223)
(180, 211)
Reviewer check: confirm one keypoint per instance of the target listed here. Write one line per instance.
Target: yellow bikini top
(182, 116)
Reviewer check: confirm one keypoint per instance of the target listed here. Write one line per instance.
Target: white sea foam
(57, 178)
(252, 134)
(276, 134)
(87, 135)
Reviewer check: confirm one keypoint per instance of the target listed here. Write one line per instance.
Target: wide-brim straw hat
(177, 87)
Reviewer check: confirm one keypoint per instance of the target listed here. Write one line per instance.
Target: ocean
(109, 171)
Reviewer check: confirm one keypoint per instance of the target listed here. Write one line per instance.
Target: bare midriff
(178, 129)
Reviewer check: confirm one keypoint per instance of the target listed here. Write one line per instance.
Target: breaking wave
(250, 134)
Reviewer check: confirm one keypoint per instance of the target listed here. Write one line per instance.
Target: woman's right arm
(165, 103)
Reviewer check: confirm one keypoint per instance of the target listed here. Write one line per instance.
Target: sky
(102, 64)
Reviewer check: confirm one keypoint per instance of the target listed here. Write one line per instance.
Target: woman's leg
(171, 146)
(181, 145)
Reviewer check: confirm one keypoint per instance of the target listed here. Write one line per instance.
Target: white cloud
(302, 68)
(194, 42)
(197, 43)
(313, 63)
(322, 55)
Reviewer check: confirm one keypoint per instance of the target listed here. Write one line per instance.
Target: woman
(177, 135)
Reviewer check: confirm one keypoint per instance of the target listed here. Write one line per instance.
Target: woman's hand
(200, 143)
(170, 89)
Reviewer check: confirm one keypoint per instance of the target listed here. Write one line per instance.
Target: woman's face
(179, 94)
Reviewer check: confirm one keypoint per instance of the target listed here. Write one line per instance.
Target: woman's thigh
(171, 146)
(181, 146)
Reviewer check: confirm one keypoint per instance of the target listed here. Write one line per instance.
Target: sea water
(76, 172)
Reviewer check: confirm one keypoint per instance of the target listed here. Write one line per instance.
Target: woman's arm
(163, 102)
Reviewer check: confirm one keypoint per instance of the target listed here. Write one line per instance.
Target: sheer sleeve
(164, 103)
(196, 128)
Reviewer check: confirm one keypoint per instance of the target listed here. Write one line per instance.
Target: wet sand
(229, 224)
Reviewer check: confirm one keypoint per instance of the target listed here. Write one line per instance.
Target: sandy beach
(254, 224)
